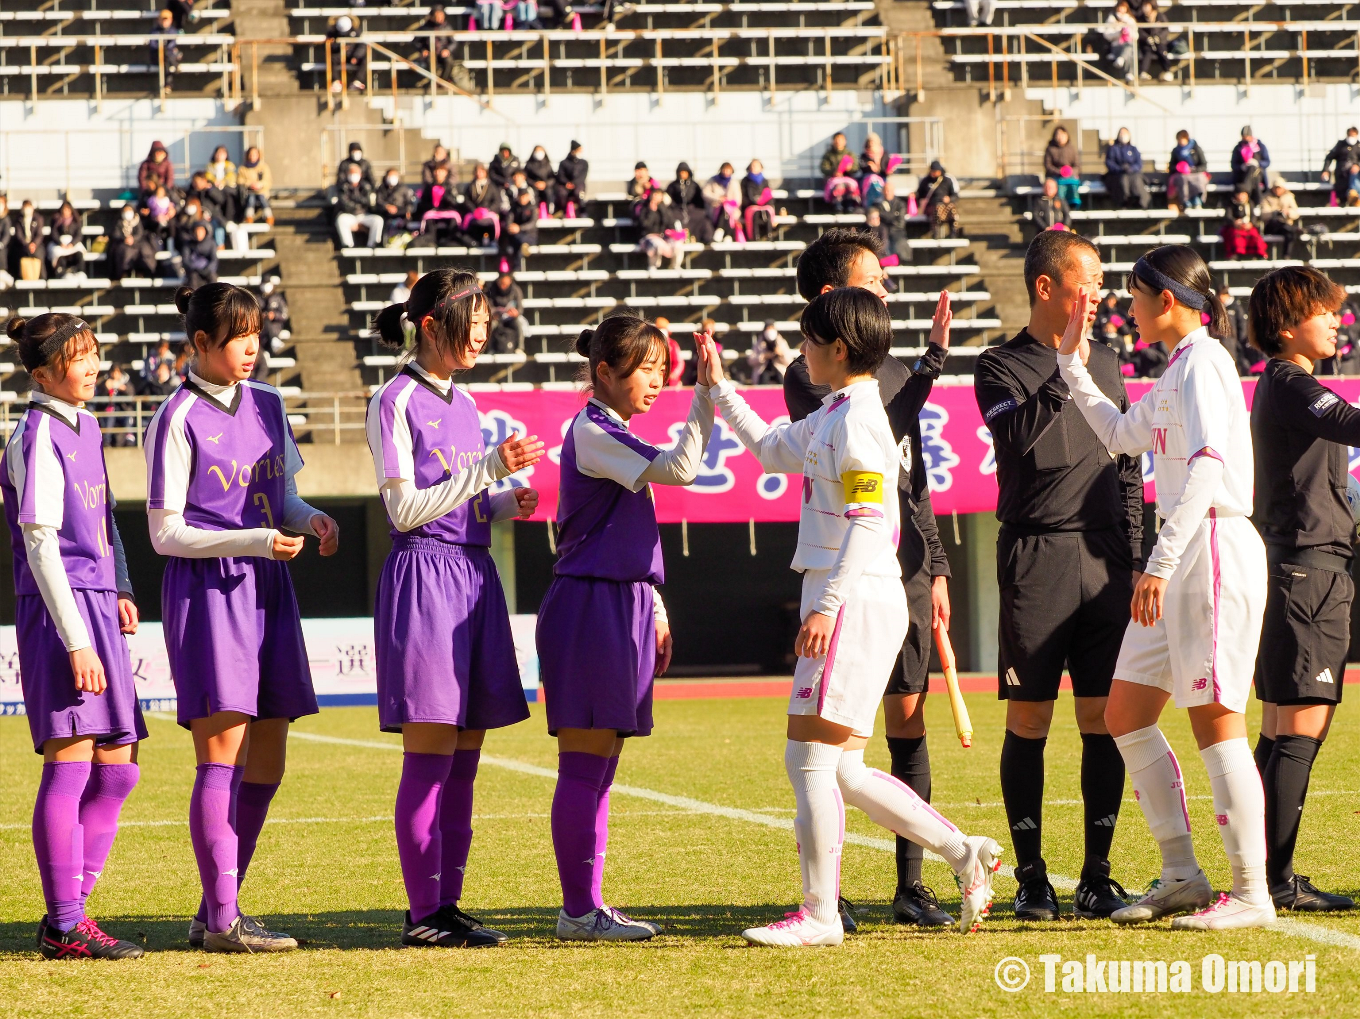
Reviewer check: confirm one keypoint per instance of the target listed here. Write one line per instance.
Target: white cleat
(796, 930)
(247, 934)
(1165, 897)
(604, 924)
(975, 881)
(1227, 913)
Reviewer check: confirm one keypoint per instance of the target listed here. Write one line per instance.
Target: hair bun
(15, 327)
(583, 342)
(182, 296)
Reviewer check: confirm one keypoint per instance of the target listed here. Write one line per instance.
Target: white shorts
(1203, 649)
(847, 685)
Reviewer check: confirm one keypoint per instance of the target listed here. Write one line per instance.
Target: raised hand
(710, 371)
(519, 452)
(1074, 336)
(939, 325)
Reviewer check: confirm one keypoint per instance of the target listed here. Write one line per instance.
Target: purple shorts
(442, 639)
(234, 639)
(56, 709)
(597, 654)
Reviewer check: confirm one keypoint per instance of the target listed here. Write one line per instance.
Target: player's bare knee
(1091, 714)
(904, 716)
(1029, 719)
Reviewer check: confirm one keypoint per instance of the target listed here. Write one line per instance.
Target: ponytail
(623, 342)
(1178, 268)
(439, 311)
(52, 340)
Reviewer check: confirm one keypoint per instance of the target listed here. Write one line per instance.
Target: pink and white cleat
(1227, 913)
(975, 881)
(796, 930)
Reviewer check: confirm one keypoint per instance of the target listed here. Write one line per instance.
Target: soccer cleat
(604, 924)
(1098, 894)
(247, 934)
(474, 924)
(1035, 899)
(197, 928)
(1226, 913)
(83, 941)
(918, 905)
(796, 930)
(1299, 893)
(975, 881)
(847, 911)
(1165, 897)
(444, 928)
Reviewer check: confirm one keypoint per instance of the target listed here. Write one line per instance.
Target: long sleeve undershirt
(679, 465)
(409, 507)
(1203, 476)
(43, 550)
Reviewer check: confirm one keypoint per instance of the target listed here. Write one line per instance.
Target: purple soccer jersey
(53, 474)
(606, 518)
(239, 457)
(421, 435)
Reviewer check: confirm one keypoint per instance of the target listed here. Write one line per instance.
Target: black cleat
(1035, 899)
(445, 929)
(847, 911)
(474, 924)
(1098, 894)
(918, 905)
(83, 941)
(1300, 894)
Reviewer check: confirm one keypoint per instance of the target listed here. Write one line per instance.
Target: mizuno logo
(214, 438)
(1025, 824)
(1325, 676)
(230, 873)
(1011, 678)
(434, 423)
(72, 455)
(434, 877)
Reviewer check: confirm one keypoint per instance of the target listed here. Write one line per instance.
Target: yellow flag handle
(963, 725)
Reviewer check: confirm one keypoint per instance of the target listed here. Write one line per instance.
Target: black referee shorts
(1305, 635)
(911, 674)
(1064, 601)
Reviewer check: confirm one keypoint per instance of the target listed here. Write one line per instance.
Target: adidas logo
(1325, 676)
(1025, 824)
(1107, 821)
(1011, 678)
(428, 933)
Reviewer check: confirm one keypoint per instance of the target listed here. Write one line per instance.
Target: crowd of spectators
(1135, 39)
(864, 184)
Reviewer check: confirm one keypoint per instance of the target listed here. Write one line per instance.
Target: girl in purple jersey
(602, 628)
(73, 604)
(221, 461)
(445, 655)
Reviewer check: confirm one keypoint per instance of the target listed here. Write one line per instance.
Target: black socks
(911, 764)
(1102, 790)
(1264, 745)
(1022, 789)
(1286, 785)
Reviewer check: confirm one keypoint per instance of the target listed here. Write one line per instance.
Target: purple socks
(58, 840)
(251, 807)
(212, 829)
(455, 825)
(108, 787)
(602, 832)
(419, 842)
(575, 821)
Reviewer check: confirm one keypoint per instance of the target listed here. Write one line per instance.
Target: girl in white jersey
(1198, 606)
(854, 612)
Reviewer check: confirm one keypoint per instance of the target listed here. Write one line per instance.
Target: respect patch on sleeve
(1008, 404)
(1320, 405)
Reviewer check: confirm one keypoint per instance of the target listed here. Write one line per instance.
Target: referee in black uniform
(1067, 556)
(846, 258)
(1300, 430)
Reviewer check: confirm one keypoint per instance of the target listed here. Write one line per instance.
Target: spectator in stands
(394, 202)
(181, 233)
(1149, 359)
(354, 203)
(979, 11)
(507, 314)
(519, 231)
(356, 159)
(937, 195)
(26, 250)
(200, 258)
(273, 316)
(1124, 173)
(440, 157)
(1250, 161)
(571, 180)
(65, 255)
(1049, 210)
(873, 224)
(225, 195)
(180, 11)
(6, 238)
(1235, 339)
(1345, 155)
(1110, 317)
(349, 58)
(436, 42)
(1187, 174)
(675, 359)
(504, 165)
(153, 360)
(1280, 214)
(1062, 163)
(489, 15)
(841, 191)
(875, 166)
(401, 293)
(158, 216)
(1153, 34)
(642, 184)
(1121, 38)
(221, 171)
(657, 230)
(893, 212)
(769, 357)
(113, 419)
(1111, 331)
(723, 195)
(519, 184)
(163, 49)
(834, 158)
(687, 199)
(164, 381)
(438, 205)
(1241, 238)
(201, 193)
(757, 203)
(483, 204)
(156, 171)
(255, 181)
(66, 221)
(538, 170)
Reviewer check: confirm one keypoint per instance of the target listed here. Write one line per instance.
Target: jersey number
(262, 501)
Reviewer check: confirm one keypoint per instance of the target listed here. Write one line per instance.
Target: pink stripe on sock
(914, 795)
(1185, 810)
(830, 658)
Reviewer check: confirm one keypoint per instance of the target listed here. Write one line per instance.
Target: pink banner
(731, 487)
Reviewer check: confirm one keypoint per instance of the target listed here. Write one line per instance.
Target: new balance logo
(1325, 676)
(804, 692)
(1025, 824)
(1200, 684)
(1222, 820)
(1107, 821)
(1011, 678)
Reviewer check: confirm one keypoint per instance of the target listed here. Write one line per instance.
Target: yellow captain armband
(862, 486)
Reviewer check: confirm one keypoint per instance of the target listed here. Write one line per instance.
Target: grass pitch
(326, 871)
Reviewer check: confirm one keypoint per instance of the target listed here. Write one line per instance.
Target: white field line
(171, 823)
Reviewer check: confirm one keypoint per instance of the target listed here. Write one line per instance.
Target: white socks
(892, 804)
(1240, 807)
(1160, 791)
(819, 825)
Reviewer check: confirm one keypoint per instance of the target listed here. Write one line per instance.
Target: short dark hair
(828, 259)
(858, 319)
(220, 311)
(1285, 299)
(623, 341)
(449, 297)
(1050, 254)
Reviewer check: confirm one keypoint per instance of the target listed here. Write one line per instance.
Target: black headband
(37, 356)
(1156, 278)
